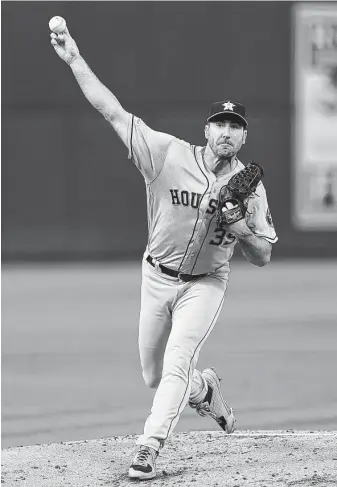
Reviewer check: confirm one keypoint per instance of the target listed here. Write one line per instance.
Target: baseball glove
(233, 198)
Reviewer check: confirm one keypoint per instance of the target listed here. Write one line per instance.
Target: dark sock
(208, 396)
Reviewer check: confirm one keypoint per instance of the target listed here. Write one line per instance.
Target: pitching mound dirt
(245, 458)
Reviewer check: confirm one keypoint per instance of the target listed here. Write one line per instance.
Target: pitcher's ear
(207, 131)
(245, 133)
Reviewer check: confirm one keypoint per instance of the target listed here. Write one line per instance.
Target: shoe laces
(142, 455)
(203, 410)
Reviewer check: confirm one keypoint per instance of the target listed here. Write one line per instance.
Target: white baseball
(229, 206)
(57, 24)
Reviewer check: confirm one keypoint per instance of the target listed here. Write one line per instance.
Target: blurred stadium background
(74, 211)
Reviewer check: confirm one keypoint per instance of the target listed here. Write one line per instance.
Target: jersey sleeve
(259, 218)
(147, 147)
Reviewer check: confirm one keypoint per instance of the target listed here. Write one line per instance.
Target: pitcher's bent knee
(151, 380)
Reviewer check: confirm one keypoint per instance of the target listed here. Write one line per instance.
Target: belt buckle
(191, 277)
(180, 279)
(183, 280)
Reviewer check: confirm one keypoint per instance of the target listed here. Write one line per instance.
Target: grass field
(70, 366)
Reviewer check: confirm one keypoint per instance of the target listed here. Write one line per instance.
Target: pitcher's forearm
(94, 90)
(257, 250)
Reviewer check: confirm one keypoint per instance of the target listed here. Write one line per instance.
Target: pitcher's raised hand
(65, 46)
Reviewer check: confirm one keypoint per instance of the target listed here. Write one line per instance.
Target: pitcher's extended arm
(94, 90)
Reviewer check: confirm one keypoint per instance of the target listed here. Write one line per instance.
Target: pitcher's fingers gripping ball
(61, 40)
(58, 27)
(57, 24)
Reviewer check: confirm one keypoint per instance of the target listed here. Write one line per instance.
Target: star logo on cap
(228, 105)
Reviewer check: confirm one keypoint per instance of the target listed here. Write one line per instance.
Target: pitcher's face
(225, 137)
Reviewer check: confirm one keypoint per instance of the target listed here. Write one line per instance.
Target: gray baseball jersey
(182, 196)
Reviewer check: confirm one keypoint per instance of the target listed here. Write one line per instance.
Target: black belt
(173, 273)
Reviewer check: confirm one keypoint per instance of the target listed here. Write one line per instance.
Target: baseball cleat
(143, 466)
(214, 405)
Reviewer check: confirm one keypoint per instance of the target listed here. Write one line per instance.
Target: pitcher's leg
(154, 331)
(154, 324)
(193, 319)
(199, 387)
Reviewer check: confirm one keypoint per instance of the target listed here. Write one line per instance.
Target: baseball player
(186, 262)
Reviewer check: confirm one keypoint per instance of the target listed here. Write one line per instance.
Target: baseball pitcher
(201, 202)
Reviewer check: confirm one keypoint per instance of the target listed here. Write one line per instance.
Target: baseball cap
(233, 110)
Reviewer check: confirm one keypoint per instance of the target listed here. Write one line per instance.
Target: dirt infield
(245, 458)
